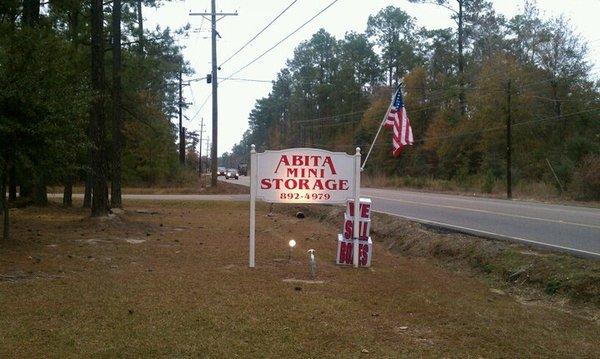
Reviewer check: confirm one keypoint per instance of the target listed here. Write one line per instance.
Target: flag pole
(378, 130)
(375, 139)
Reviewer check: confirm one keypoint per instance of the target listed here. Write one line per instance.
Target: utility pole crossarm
(216, 14)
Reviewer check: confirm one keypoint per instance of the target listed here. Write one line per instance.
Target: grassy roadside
(171, 279)
(532, 274)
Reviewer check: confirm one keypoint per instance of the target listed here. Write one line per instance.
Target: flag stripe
(397, 121)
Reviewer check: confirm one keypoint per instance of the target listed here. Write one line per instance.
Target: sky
(237, 98)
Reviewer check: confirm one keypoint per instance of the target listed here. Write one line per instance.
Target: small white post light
(292, 244)
(312, 263)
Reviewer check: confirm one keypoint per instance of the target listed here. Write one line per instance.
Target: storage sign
(305, 175)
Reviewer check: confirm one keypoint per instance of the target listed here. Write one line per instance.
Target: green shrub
(586, 179)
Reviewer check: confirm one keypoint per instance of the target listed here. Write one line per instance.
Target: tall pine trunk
(25, 188)
(4, 204)
(115, 198)
(68, 192)
(31, 12)
(87, 194)
(97, 118)
(140, 19)
(12, 177)
(41, 192)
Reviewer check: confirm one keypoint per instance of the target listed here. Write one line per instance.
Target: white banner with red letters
(305, 175)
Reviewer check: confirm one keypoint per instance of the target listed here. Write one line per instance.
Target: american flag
(397, 120)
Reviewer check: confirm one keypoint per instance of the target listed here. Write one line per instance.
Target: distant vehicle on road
(243, 169)
(232, 173)
(221, 171)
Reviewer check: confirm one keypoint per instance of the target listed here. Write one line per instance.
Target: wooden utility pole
(181, 130)
(207, 151)
(508, 143)
(213, 20)
(115, 188)
(461, 60)
(200, 148)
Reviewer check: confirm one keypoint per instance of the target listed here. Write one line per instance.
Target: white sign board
(303, 175)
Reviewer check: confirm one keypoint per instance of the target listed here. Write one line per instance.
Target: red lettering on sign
(344, 185)
(303, 184)
(307, 161)
(283, 160)
(329, 162)
(349, 248)
(364, 209)
(278, 182)
(363, 254)
(265, 184)
(342, 252)
(292, 172)
(349, 230)
(318, 185)
(290, 183)
(331, 185)
(297, 160)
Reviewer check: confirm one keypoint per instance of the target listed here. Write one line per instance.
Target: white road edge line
(488, 212)
(490, 234)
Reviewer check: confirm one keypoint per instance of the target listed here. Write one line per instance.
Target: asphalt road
(569, 228)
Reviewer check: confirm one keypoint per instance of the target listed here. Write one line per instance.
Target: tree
(97, 118)
(4, 203)
(329, 84)
(562, 56)
(458, 14)
(394, 33)
(117, 141)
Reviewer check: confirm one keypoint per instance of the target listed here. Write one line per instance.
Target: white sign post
(303, 175)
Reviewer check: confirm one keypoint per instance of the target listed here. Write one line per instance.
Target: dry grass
(71, 286)
(552, 276)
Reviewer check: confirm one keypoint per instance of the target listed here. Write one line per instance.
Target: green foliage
(45, 97)
(333, 94)
(586, 178)
(43, 102)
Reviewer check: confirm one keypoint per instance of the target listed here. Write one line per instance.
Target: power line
(201, 106)
(544, 119)
(330, 117)
(484, 130)
(280, 41)
(233, 79)
(260, 32)
(250, 80)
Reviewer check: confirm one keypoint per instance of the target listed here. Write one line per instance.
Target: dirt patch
(191, 294)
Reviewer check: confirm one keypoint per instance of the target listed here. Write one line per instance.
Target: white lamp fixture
(292, 244)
